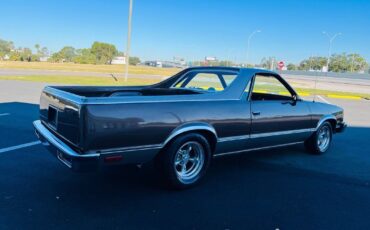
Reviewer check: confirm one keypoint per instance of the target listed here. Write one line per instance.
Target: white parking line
(323, 99)
(19, 146)
(4, 114)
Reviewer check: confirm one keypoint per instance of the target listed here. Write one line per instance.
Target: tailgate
(61, 115)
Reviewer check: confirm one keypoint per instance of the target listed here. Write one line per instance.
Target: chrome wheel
(323, 138)
(189, 161)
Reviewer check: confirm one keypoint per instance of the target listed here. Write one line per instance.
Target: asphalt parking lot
(277, 189)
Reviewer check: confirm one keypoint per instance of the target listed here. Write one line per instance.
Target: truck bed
(66, 110)
(120, 91)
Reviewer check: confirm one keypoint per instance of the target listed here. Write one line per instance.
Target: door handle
(256, 113)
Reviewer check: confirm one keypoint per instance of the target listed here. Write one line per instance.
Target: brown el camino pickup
(182, 122)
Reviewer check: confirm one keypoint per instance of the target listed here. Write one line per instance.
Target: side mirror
(295, 100)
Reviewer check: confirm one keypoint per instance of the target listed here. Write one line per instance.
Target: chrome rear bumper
(68, 156)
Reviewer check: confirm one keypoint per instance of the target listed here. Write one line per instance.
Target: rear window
(206, 81)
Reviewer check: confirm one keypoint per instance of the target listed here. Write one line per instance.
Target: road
(330, 83)
(276, 189)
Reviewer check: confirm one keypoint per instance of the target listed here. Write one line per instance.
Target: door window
(268, 87)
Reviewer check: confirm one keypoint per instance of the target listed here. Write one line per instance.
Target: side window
(229, 78)
(247, 89)
(207, 81)
(269, 88)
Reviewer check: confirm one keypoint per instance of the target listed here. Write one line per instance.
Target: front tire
(186, 160)
(320, 141)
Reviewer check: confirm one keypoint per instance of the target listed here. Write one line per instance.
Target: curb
(348, 97)
(344, 97)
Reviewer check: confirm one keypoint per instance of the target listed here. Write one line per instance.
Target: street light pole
(228, 62)
(128, 39)
(353, 62)
(331, 39)
(249, 42)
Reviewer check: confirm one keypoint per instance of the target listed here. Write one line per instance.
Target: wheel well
(333, 123)
(211, 138)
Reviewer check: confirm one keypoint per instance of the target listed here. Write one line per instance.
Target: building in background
(44, 59)
(180, 61)
(166, 64)
(6, 57)
(209, 61)
(120, 60)
(153, 63)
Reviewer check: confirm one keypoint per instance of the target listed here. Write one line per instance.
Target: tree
(66, 54)
(268, 63)
(103, 52)
(313, 63)
(37, 46)
(14, 56)
(84, 56)
(357, 63)
(44, 51)
(291, 66)
(339, 63)
(223, 63)
(134, 60)
(26, 54)
(5, 47)
(347, 63)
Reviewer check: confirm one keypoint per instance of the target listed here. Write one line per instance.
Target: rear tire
(185, 161)
(320, 141)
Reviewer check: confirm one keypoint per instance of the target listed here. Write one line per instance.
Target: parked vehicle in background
(182, 122)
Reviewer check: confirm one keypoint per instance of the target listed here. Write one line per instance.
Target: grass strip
(110, 81)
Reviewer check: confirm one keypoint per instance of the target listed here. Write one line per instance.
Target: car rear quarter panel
(149, 123)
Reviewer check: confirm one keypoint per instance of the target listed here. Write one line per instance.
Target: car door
(278, 115)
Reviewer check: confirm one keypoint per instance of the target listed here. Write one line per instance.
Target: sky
(291, 30)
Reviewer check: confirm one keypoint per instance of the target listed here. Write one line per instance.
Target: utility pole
(353, 62)
(310, 62)
(249, 42)
(331, 39)
(272, 63)
(228, 61)
(128, 40)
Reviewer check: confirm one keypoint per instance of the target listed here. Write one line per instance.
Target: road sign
(281, 65)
